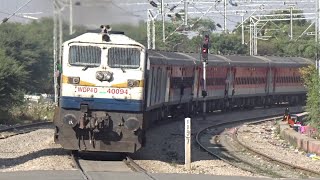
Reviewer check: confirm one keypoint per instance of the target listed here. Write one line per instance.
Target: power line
(7, 18)
(139, 16)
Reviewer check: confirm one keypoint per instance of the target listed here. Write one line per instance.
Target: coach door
(231, 73)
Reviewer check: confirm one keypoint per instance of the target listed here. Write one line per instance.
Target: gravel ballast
(164, 152)
(33, 151)
(265, 138)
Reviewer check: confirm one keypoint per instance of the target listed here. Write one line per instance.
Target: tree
(13, 77)
(311, 81)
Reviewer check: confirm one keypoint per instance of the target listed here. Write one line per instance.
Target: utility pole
(148, 30)
(57, 45)
(60, 36)
(291, 6)
(316, 34)
(55, 52)
(250, 36)
(185, 13)
(163, 21)
(291, 35)
(225, 16)
(255, 39)
(151, 34)
(70, 17)
(242, 13)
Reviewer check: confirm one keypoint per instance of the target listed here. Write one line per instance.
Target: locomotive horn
(104, 30)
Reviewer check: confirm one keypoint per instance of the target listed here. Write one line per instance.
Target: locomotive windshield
(85, 55)
(123, 57)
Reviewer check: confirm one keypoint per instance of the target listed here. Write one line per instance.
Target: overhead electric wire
(113, 3)
(14, 13)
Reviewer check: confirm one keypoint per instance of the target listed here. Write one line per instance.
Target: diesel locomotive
(112, 89)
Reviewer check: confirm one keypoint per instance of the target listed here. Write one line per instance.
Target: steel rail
(18, 128)
(84, 167)
(75, 160)
(199, 134)
(136, 167)
(235, 137)
(256, 120)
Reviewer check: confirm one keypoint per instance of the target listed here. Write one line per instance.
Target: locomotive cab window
(124, 58)
(84, 56)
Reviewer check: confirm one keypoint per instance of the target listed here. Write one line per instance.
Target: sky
(86, 14)
(93, 13)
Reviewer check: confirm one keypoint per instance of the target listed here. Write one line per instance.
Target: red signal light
(204, 50)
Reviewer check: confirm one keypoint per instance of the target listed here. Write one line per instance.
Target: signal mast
(204, 52)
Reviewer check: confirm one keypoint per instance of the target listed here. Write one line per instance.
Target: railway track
(97, 163)
(226, 146)
(293, 167)
(21, 129)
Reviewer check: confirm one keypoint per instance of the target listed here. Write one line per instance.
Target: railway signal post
(205, 52)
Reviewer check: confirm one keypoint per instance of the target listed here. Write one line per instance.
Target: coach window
(124, 57)
(85, 55)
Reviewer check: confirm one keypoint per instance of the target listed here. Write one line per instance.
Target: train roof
(117, 38)
(179, 58)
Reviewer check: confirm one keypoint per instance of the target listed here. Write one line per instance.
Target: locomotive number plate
(100, 90)
(85, 89)
(117, 91)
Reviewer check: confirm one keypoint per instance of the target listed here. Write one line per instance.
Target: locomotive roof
(179, 58)
(120, 39)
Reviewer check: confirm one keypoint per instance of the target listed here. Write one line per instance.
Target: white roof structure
(118, 39)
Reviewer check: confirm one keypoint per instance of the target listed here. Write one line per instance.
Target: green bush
(33, 111)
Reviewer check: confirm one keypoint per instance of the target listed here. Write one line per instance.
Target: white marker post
(187, 144)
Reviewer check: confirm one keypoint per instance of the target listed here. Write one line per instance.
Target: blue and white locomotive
(101, 93)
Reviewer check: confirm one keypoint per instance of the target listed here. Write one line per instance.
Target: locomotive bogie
(99, 130)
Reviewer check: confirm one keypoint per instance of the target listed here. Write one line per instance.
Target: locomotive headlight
(130, 83)
(73, 80)
(133, 83)
(99, 75)
(132, 124)
(104, 75)
(108, 76)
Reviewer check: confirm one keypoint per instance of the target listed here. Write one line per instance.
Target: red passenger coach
(250, 80)
(231, 81)
(216, 81)
(286, 84)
